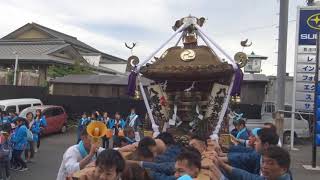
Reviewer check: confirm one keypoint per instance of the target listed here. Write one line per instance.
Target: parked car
(55, 115)
(17, 105)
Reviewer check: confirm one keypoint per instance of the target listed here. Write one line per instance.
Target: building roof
(57, 37)
(53, 33)
(96, 79)
(103, 69)
(255, 78)
(106, 58)
(7, 49)
(254, 56)
(42, 53)
(275, 77)
(44, 49)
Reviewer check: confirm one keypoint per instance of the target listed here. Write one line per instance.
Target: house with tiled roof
(37, 47)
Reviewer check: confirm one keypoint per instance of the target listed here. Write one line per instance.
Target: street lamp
(15, 69)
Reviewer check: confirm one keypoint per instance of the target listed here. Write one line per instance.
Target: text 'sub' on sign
(309, 24)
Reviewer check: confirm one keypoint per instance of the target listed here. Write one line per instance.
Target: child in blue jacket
(5, 153)
(43, 123)
(117, 124)
(34, 127)
(19, 140)
(4, 118)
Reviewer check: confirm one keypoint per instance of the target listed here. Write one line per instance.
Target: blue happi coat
(243, 134)
(240, 149)
(5, 120)
(163, 168)
(42, 121)
(13, 119)
(19, 138)
(247, 161)
(35, 129)
(239, 174)
(169, 155)
(111, 124)
(81, 125)
(133, 121)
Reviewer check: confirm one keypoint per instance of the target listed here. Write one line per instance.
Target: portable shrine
(192, 81)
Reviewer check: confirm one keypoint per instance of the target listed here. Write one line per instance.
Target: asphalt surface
(303, 156)
(48, 159)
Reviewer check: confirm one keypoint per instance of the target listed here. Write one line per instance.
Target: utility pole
(282, 56)
(15, 69)
(282, 53)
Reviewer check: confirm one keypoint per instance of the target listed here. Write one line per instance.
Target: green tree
(60, 70)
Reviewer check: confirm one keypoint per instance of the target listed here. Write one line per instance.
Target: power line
(256, 28)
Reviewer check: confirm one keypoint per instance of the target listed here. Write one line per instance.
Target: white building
(272, 90)
(106, 61)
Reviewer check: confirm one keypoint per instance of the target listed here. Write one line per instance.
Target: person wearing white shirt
(78, 156)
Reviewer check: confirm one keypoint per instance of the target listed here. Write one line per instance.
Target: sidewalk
(303, 157)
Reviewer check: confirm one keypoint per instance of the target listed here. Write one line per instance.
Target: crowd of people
(254, 154)
(120, 130)
(19, 140)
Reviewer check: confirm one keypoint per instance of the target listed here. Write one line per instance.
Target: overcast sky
(107, 24)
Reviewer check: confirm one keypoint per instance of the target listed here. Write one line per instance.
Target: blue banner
(309, 24)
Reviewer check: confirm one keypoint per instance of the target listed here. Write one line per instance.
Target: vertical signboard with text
(308, 24)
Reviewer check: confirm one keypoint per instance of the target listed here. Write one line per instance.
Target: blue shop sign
(309, 24)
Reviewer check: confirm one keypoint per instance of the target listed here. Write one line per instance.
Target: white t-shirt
(279, 143)
(71, 162)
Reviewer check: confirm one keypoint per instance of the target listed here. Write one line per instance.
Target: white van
(17, 105)
(301, 125)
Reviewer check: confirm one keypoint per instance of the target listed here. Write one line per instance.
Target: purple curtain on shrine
(132, 83)
(236, 90)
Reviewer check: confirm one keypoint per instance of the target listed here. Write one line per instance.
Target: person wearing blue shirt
(275, 165)
(187, 165)
(116, 125)
(105, 120)
(1, 116)
(83, 122)
(169, 155)
(34, 128)
(234, 131)
(246, 145)
(94, 116)
(172, 149)
(4, 118)
(129, 136)
(134, 122)
(13, 116)
(5, 151)
(243, 132)
(19, 140)
(43, 123)
(110, 123)
(99, 116)
(119, 122)
(251, 161)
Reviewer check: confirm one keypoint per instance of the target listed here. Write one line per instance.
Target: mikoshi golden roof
(188, 64)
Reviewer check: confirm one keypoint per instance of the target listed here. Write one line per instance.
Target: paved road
(303, 157)
(49, 157)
